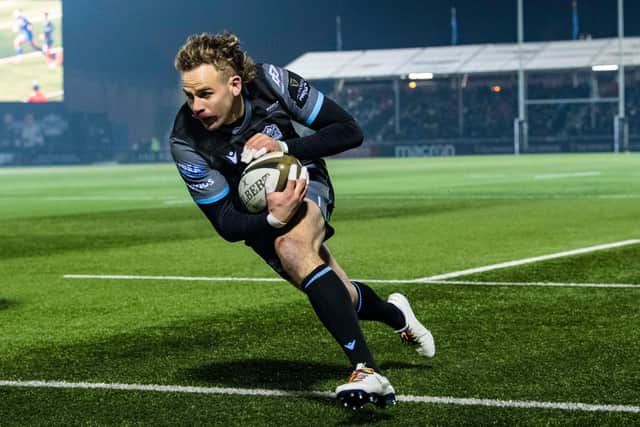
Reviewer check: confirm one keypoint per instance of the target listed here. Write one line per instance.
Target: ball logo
(256, 188)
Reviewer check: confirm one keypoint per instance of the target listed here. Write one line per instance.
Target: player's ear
(235, 82)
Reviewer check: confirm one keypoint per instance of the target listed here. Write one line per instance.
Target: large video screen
(31, 54)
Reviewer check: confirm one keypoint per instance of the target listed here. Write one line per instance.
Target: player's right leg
(299, 253)
(366, 386)
(17, 44)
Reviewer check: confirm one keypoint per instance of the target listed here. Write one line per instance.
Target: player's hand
(258, 145)
(283, 204)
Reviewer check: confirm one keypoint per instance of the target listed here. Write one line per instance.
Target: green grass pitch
(396, 219)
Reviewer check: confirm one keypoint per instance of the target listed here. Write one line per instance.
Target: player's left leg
(395, 312)
(367, 303)
(32, 43)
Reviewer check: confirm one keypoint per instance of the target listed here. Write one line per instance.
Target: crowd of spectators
(28, 139)
(480, 108)
(564, 108)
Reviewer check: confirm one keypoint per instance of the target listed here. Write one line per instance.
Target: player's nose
(197, 111)
(197, 107)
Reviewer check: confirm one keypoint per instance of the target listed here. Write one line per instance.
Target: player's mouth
(208, 121)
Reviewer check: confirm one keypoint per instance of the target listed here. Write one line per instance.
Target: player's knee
(297, 255)
(290, 248)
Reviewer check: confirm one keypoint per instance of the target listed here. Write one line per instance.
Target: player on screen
(237, 110)
(25, 33)
(47, 39)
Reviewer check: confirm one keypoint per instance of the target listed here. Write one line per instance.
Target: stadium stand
(471, 100)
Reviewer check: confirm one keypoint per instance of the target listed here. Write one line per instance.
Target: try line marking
(566, 406)
(529, 260)
(439, 279)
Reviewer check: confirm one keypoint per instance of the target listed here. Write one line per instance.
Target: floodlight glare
(420, 76)
(607, 67)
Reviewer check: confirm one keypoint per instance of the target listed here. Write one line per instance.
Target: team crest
(273, 131)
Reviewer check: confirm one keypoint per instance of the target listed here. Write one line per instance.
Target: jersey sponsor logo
(191, 170)
(303, 94)
(298, 90)
(275, 76)
(273, 107)
(273, 131)
(202, 185)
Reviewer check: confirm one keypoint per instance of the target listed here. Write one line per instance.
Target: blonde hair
(220, 50)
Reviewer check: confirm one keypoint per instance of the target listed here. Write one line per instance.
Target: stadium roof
(451, 60)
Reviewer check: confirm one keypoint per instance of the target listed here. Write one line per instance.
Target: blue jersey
(24, 27)
(209, 161)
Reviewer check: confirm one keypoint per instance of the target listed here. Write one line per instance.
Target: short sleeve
(301, 99)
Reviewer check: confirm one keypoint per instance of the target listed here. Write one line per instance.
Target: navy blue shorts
(320, 193)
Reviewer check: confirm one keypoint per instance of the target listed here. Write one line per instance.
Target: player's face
(214, 98)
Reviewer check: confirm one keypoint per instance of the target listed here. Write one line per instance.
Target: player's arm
(336, 130)
(210, 191)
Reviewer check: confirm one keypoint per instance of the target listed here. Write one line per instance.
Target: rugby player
(24, 29)
(47, 38)
(237, 110)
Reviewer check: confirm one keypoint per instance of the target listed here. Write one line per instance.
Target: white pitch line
(11, 59)
(548, 284)
(566, 406)
(183, 278)
(210, 279)
(566, 175)
(528, 260)
(421, 281)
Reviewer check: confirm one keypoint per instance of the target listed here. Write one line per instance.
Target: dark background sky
(140, 37)
(119, 53)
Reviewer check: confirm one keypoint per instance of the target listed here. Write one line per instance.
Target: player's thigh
(299, 248)
(302, 238)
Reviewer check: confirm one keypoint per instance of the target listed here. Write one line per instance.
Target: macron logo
(350, 345)
(233, 157)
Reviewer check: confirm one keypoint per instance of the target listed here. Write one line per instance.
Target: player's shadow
(417, 363)
(7, 303)
(279, 374)
(261, 373)
(283, 375)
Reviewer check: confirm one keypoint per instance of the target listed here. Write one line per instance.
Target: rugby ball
(264, 175)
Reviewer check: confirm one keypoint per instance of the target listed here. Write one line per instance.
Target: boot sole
(356, 399)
